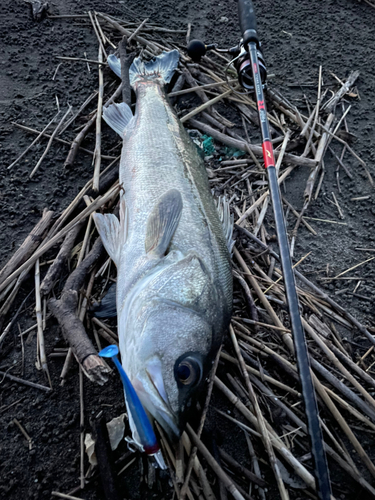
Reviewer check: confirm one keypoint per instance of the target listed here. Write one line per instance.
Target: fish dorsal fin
(227, 221)
(112, 232)
(162, 223)
(115, 64)
(118, 117)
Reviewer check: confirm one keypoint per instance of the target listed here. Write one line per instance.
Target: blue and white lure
(146, 434)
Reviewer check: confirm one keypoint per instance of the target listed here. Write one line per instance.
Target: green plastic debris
(233, 152)
(208, 145)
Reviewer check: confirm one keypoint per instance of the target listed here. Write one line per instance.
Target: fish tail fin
(160, 68)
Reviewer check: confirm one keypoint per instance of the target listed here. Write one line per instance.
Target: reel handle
(196, 49)
(248, 21)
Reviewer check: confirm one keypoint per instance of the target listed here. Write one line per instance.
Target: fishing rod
(252, 76)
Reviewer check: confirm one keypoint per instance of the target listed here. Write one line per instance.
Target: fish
(171, 246)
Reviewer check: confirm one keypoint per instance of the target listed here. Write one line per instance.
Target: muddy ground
(297, 36)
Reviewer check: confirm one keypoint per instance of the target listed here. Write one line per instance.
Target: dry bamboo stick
(49, 142)
(83, 59)
(303, 220)
(222, 83)
(61, 141)
(214, 465)
(262, 215)
(34, 141)
(344, 404)
(330, 355)
(267, 378)
(150, 45)
(302, 472)
(317, 290)
(353, 366)
(42, 358)
(323, 393)
(102, 35)
(344, 425)
(97, 34)
(200, 472)
(171, 459)
(25, 382)
(309, 141)
(261, 424)
(282, 151)
(285, 336)
(205, 105)
(106, 329)
(343, 388)
(260, 200)
(98, 136)
(255, 464)
(201, 425)
(135, 32)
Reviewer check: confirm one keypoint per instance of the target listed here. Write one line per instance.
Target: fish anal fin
(118, 117)
(108, 227)
(162, 223)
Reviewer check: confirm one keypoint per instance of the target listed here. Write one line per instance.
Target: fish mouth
(151, 391)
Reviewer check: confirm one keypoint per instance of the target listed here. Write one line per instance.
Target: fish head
(175, 358)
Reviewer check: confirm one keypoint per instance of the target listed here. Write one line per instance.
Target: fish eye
(188, 371)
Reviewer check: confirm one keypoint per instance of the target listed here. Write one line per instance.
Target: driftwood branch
(177, 87)
(126, 59)
(60, 260)
(101, 200)
(243, 146)
(28, 247)
(72, 328)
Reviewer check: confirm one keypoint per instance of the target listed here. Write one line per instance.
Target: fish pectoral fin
(118, 117)
(162, 223)
(108, 227)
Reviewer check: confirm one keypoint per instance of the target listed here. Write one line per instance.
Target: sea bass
(171, 247)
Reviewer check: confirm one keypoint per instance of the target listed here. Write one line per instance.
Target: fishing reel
(196, 49)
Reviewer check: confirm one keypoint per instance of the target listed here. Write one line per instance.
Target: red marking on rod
(261, 105)
(269, 160)
(255, 68)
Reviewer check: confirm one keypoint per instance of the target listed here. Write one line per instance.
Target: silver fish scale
(158, 155)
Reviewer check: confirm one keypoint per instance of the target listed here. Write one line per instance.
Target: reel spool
(196, 49)
(244, 72)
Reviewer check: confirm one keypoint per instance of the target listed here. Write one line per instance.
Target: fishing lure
(147, 437)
